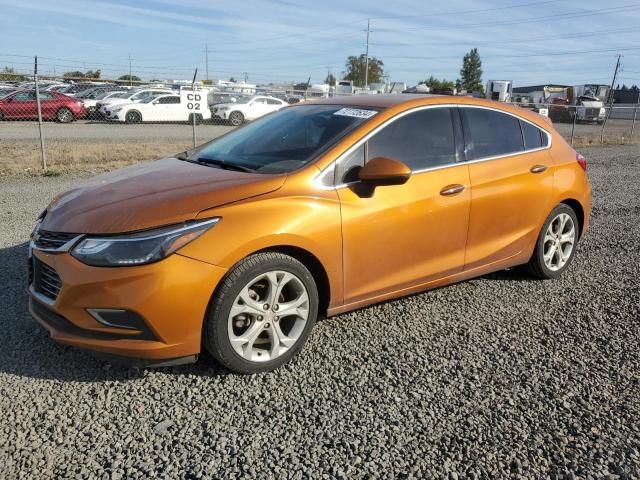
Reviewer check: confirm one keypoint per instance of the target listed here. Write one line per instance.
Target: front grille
(52, 240)
(592, 112)
(46, 280)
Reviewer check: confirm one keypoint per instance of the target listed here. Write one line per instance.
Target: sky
(527, 41)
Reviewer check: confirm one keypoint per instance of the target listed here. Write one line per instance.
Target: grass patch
(51, 173)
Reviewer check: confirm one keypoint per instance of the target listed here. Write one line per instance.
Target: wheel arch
(313, 264)
(577, 207)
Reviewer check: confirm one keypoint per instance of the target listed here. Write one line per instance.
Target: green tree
(330, 79)
(232, 80)
(355, 67)
(471, 72)
(132, 78)
(74, 74)
(433, 82)
(9, 74)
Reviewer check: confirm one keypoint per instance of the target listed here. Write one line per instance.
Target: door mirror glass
(384, 171)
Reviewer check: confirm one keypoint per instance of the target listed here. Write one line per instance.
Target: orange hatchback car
(238, 245)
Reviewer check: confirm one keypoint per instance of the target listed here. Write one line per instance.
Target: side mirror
(384, 171)
(155, 102)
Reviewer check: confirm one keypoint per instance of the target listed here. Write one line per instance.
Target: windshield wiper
(223, 164)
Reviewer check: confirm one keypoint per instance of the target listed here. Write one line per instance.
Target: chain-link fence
(51, 124)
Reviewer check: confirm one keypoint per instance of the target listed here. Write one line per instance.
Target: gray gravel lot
(497, 377)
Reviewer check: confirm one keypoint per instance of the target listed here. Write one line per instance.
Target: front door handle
(452, 189)
(538, 168)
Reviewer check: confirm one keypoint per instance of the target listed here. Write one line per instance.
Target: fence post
(635, 112)
(43, 153)
(193, 115)
(573, 127)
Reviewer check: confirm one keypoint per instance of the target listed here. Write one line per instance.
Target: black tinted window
(165, 100)
(422, 139)
(348, 167)
(532, 135)
(489, 133)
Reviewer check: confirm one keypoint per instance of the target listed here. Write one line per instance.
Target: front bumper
(171, 297)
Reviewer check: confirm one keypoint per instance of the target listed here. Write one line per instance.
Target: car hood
(150, 195)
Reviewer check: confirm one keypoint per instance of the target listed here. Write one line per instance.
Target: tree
(433, 82)
(471, 72)
(330, 79)
(129, 78)
(79, 74)
(232, 80)
(355, 67)
(9, 74)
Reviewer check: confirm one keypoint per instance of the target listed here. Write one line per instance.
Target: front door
(404, 235)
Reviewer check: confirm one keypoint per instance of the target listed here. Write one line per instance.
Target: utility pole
(608, 113)
(366, 62)
(206, 60)
(246, 77)
(130, 79)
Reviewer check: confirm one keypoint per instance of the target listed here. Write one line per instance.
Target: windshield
(286, 140)
(148, 98)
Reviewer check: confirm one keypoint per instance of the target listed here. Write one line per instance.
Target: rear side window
(166, 100)
(533, 136)
(489, 133)
(422, 139)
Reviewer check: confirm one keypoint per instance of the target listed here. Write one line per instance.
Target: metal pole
(635, 112)
(608, 113)
(43, 153)
(130, 78)
(206, 60)
(366, 62)
(573, 127)
(193, 115)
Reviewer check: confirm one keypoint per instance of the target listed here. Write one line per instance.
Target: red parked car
(21, 105)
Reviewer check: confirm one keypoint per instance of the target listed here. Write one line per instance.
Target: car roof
(403, 101)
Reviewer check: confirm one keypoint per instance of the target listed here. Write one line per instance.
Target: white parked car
(162, 108)
(91, 103)
(247, 108)
(130, 96)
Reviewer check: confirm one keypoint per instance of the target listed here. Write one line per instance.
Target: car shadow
(28, 351)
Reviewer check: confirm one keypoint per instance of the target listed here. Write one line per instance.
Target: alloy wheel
(559, 241)
(268, 316)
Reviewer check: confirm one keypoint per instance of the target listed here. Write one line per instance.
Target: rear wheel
(261, 314)
(133, 116)
(236, 118)
(64, 115)
(556, 244)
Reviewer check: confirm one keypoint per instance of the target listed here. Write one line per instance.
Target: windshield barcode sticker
(355, 112)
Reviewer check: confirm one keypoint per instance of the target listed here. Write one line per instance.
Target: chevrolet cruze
(238, 246)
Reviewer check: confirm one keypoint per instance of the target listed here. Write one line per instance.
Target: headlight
(139, 248)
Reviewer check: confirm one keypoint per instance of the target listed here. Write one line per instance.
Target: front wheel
(556, 244)
(133, 116)
(261, 314)
(236, 119)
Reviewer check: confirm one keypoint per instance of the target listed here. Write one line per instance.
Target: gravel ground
(492, 378)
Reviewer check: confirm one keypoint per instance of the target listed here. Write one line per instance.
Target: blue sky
(290, 40)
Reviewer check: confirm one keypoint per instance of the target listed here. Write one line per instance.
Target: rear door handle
(538, 168)
(452, 189)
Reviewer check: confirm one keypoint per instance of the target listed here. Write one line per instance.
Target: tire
(244, 342)
(64, 115)
(552, 255)
(236, 118)
(133, 116)
(198, 118)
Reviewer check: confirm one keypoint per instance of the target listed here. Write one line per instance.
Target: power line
(558, 16)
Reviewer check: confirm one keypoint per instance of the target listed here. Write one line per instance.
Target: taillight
(581, 161)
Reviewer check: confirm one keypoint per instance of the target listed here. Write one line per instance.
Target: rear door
(401, 236)
(511, 184)
(174, 110)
